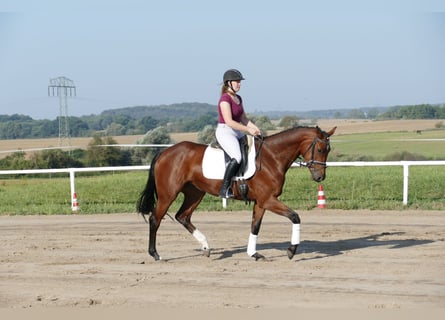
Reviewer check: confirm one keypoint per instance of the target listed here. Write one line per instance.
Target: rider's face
(236, 85)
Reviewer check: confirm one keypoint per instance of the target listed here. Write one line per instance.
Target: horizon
(251, 112)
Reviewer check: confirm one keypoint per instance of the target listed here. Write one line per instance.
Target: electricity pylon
(63, 88)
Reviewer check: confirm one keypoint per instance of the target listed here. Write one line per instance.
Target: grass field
(430, 145)
(345, 188)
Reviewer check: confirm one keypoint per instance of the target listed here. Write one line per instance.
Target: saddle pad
(214, 167)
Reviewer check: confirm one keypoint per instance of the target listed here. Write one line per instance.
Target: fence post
(405, 182)
(73, 191)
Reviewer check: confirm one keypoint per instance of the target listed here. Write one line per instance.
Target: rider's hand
(254, 131)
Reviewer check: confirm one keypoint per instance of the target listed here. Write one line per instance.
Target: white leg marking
(201, 239)
(295, 234)
(251, 246)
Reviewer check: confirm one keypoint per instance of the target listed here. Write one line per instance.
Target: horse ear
(331, 132)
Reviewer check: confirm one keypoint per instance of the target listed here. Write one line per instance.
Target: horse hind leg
(154, 226)
(155, 221)
(192, 198)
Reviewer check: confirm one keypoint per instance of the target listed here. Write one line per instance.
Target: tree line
(101, 150)
(182, 117)
(421, 111)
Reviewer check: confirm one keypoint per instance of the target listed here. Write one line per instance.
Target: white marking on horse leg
(251, 246)
(201, 239)
(295, 234)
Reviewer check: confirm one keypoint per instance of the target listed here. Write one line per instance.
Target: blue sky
(295, 55)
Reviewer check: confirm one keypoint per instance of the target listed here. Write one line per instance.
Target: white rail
(72, 171)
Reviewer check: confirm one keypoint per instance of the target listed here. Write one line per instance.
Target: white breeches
(228, 139)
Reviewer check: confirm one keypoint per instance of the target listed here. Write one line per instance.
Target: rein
(260, 138)
(311, 162)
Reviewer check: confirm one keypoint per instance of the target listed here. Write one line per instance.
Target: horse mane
(296, 128)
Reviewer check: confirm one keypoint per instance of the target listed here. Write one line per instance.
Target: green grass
(378, 145)
(345, 188)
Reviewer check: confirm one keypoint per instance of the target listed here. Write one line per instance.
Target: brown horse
(179, 169)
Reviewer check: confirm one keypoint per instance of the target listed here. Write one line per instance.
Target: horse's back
(181, 157)
(186, 149)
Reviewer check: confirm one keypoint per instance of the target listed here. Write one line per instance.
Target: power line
(63, 88)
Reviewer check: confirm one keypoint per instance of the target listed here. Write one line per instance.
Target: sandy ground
(347, 259)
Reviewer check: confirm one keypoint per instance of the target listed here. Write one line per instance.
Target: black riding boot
(231, 169)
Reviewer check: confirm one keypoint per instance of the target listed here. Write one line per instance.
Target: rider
(232, 125)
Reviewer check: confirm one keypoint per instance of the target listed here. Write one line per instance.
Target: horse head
(316, 152)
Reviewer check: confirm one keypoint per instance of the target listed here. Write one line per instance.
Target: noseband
(312, 162)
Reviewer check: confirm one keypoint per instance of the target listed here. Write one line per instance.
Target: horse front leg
(276, 206)
(295, 240)
(295, 237)
(257, 218)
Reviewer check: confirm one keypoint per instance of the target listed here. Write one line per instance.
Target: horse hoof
(291, 251)
(258, 256)
(155, 256)
(206, 252)
(290, 255)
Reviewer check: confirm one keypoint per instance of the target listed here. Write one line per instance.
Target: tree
(158, 135)
(441, 112)
(100, 153)
(54, 159)
(115, 129)
(264, 123)
(147, 123)
(78, 127)
(45, 128)
(15, 161)
(288, 122)
(356, 114)
(337, 115)
(207, 135)
(372, 113)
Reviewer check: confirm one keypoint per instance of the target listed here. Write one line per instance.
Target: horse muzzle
(318, 175)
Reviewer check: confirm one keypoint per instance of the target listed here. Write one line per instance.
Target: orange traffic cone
(321, 198)
(75, 204)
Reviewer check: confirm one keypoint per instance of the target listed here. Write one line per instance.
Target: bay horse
(179, 169)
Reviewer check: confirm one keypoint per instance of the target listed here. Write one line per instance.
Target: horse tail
(148, 197)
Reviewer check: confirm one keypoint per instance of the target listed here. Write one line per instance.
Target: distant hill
(175, 111)
(192, 110)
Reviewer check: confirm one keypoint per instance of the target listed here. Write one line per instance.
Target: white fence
(72, 171)
(405, 164)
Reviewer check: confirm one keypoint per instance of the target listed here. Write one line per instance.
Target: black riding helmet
(232, 75)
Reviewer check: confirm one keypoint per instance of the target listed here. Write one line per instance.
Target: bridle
(312, 162)
(308, 164)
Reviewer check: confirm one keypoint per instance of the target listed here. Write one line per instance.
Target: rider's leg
(231, 169)
(228, 139)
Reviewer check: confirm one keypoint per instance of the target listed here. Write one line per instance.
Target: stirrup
(228, 194)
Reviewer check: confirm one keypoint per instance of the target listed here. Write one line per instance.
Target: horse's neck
(286, 146)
